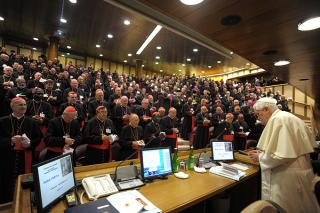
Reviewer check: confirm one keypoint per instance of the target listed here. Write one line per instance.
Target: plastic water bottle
(191, 160)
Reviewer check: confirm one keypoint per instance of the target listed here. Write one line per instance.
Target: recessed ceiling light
(179, 70)
(34, 48)
(188, 59)
(309, 24)
(202, 71)
(62, 55)
(63, 20)
(231, 53)
(183, 65)
(157, 62)
(129, 54)
(69, 47)
(157, 57)
(110, 36)
(125, 61)
(101, 55)
(1, 19)
(73, 1)
(191, 2)
(97, 45)
(158, 47)
(281, 62)
(142, 65)
(219, 62)
(195, 50)
(68, 53)
(248, 64)
(209, 66)
(36, 39)
(160, 70)
(126, 22)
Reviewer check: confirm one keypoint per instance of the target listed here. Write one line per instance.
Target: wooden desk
(171, 195)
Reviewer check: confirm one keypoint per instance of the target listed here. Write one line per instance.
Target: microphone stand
(142, 147)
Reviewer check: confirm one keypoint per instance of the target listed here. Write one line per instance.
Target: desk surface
(171, 195)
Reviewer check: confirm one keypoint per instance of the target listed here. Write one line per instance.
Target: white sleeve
(268, 161)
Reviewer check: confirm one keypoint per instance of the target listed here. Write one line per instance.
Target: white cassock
(286, 170)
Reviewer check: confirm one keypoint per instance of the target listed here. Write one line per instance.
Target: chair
(42, 154)
(80, 154)
(251, 143)
(263, 206)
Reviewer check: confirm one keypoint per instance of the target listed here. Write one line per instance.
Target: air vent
(230, 20)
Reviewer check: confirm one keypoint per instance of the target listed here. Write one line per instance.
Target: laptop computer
(222, 151)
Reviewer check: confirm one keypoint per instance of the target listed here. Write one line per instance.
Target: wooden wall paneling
(81, 62)
(89, 61)
(71, 61)
(9, 48)
(133, 71)
(62, 60)
(126, 69)
(36, 54)
(26, 52)
(106, 65)
(113, 66)
(97, 64)
(299, 109)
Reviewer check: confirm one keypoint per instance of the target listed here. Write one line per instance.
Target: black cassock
(151, 132)
(80, 111)
(141, 112)
(33, 84)
(118, 112)
(92, 106)
(127, 136)
(42, 108)
(92, 136)
(54, 137)
(15, 91)
(239, 140)
(187, 120)
(167, 124)
(202, 136)
(12, 160)
(224, 128)
(217, 118)
(3, 91)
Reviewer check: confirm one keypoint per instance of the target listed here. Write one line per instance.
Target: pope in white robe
(286, 171)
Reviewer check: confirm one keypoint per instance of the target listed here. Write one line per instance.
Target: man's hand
(254, 155)
(16, 139)
(26, 145)
(69, 141)
(105, 137)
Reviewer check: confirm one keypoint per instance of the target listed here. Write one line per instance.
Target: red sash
(228, 137)
(192, 123)
(137, 148)
(173, 135)
(152, 135)
(125, 122)
(27, 156)
(241, 135)
(105, 145)
(55, 149)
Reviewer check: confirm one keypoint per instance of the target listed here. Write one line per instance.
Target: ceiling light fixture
(281, 62)
(36, 39)
(125, 61)
(158, 47)
(202, 71)
(97, 45)
(73, 1)
(129, 54)
(231, 53)
(62, 55)
(110, 36)
(209, 66)
(161, 70)
(1, 19)
(188, 59)
(126, 22)
(63, 20)
(183, 65)
(69, 47)
(157, 62)
(149, 39)
(100, 55)
(248, 64)
(68, 53)
(34, 48)
(219, 62)
(309, 24)
(179, 70)
(191, 2)
(142, 65)
(195, 50)
(157, 57)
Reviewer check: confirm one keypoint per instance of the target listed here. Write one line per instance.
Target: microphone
(142, 147)
(203, 151)
(216, 138)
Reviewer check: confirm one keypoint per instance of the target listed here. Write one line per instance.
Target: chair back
(42, 154)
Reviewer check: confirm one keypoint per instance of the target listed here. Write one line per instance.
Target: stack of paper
(228, 171)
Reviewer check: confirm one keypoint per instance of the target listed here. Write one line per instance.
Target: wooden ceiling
(265, 25)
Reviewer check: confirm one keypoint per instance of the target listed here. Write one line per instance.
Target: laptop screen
(222, 151)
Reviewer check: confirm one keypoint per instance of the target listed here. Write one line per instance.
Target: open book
(132, 201)
(228, 171)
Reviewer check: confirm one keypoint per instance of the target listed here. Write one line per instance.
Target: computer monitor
(53, 179)
(155, 162)
(222, 151)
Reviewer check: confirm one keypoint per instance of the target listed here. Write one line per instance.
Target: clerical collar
(170, 117)
(18, 118)
(36, 101)
(99, 119)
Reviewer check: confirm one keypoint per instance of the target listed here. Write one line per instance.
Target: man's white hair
(265, 102)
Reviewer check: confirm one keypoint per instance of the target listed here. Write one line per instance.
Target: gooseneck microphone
(142, 147)
(216, 138)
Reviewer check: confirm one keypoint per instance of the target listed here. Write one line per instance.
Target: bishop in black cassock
(170, 125)
(15, 157)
